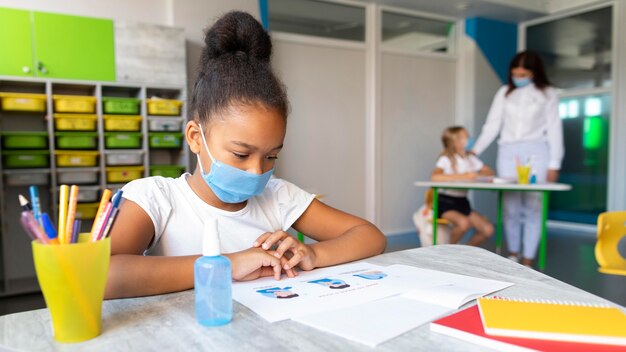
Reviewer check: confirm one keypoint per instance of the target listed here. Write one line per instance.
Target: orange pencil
(106, 195)
(71, 213)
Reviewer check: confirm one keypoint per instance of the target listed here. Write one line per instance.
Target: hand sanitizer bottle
(533, 171)
(212, 280)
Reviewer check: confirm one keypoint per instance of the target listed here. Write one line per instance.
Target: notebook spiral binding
(552, 301)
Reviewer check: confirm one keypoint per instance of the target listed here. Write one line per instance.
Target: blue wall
(264, 12)
(496, 39)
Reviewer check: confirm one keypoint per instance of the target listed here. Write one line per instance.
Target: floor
(570, 259)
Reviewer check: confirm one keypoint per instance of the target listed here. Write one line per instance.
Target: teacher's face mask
(230, 184)
(521, 81)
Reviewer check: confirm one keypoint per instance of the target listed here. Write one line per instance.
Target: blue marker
(49, 228)
(117, 198)
(34, 199)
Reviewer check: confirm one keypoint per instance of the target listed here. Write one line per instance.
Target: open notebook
(549, 320)
(427, 295)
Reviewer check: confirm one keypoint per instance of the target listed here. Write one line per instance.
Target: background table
(167, 322)
(544, 188)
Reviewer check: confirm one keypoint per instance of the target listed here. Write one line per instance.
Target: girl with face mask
(455, 164)
(238, 117)
(524, 113)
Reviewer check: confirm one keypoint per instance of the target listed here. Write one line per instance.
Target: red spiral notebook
(467, 325)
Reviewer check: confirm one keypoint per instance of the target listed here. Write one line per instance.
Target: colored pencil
(109, 224)
(106, 195)
(101, 222)
(63, 197)
(34, 199)
(71, 213)
(75, 231)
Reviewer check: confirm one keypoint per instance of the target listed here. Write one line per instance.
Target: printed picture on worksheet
(314, 290)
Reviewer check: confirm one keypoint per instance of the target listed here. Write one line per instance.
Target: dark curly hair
(235, 69)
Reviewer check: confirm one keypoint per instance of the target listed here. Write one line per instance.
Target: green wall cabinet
(16, 47)
(39, 44)
(74, 47)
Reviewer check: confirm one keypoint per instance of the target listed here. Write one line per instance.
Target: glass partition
(577, 50)
(585, 166)
(318, 19)
(419, 34)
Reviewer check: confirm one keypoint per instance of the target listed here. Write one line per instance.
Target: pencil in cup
(34, 199)
(71, 214)
(101, 221)
(63, 198)
(106, 196)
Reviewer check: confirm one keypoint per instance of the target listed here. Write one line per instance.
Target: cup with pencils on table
(71, 266)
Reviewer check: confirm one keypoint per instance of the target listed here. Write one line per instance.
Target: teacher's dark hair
(235, 69)
(532, 62)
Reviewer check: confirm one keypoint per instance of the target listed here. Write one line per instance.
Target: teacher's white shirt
(527, 114)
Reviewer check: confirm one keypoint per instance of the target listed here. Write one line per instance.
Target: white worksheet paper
(315, 291)
(439, 287)
(428, 295)
(376, 322)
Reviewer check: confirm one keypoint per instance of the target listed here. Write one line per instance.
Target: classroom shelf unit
(112, 135)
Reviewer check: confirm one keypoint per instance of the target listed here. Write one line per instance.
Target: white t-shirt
(177, 214)
(527, 114)
(469, 163)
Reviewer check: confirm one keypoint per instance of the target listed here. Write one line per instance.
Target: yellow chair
(611, 231)
(423, 220)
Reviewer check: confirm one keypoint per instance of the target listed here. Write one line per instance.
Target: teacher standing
(525, 114)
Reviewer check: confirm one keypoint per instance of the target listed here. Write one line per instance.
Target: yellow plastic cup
(72, 278)
(523, 174)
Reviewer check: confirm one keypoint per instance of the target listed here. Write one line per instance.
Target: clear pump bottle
(212, 280)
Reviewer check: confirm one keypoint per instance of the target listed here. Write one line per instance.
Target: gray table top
(549, 186)
(167, 322)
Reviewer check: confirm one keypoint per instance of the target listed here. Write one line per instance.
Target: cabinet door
(16, 58)
(74, 47)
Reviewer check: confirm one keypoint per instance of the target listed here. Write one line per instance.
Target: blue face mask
(521, 82)
(230, 184)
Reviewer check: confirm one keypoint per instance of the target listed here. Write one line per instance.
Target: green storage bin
(166, 140)
(124, 106)
(167, 170)
(115, 140)
(18, 159)
(76, 140)
(25, 140)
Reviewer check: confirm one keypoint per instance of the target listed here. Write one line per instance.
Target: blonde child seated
(238, 116)
(455, 164)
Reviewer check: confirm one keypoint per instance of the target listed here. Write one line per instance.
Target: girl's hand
(289, 247)
(470, 175)
(254, 263)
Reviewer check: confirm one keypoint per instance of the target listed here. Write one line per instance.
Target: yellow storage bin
(75, 122)
(164, 106)
(23, 102)
(74, 103)
(86, 210)
(122, 123)
(74, 158)
(124, 173)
